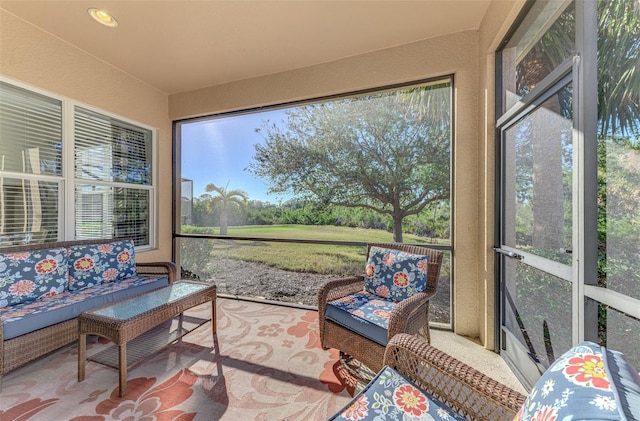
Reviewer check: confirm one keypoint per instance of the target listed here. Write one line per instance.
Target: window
(545, 39)
(108, 191)
(302, 187)
(113, 178)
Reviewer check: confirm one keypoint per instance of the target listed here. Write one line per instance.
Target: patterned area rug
(265, 363)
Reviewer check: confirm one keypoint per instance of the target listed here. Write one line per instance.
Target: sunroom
(175, 127)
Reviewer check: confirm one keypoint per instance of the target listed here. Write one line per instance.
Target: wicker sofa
(44, 287)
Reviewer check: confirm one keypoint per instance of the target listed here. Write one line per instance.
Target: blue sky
(219, 150)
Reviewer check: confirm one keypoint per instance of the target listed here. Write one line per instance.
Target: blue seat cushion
(363, 312)
(30, 316)
(390, 396)
(588, 382)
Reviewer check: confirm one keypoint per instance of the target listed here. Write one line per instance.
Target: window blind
(112, 212)
(111, 150)
(30, 144)
(30, 132)
(28, 210)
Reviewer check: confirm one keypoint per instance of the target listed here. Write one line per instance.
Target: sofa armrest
(167, 269)
(466, 390)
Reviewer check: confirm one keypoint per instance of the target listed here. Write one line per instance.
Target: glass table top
(135, 306)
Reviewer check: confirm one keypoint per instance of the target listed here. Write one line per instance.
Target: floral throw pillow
(390, 396)
(579, 385)
(395, 274)
(93, 264)
(27, 276)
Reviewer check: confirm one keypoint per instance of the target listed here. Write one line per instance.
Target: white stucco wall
(495, 25)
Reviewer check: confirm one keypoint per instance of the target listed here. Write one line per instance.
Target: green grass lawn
(316, 258)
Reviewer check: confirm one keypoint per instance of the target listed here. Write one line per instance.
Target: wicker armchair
(410, 315)
(464, 389)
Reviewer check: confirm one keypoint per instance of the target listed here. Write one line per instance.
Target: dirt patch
(251, 279)
(257, 280)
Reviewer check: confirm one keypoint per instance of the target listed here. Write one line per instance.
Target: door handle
(509, 253)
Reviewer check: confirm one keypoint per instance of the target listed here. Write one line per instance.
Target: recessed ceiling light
(103, 17)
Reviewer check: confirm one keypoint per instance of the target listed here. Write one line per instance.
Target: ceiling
(182, 45)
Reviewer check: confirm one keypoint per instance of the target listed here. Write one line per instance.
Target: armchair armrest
(332, 290)
(338, 288)
(464, 389)
(167, 269)
(411, 315)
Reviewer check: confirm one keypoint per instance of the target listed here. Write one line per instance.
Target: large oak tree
(381, 152)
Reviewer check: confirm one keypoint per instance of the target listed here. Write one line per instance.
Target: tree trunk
(223, 221)
(548, 197)
(397, 228)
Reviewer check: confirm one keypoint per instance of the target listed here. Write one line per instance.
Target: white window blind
(30, 132)
(30, 161)
(107, 149)
(112, 212)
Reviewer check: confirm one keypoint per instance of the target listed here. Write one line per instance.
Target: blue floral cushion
(26, 317)
(362, 312)
(583, 384)
(26, 276)
(390, 396)
(93, 264)
(395, 274)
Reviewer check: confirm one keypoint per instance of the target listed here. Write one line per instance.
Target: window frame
(177, 235)
(67, 182)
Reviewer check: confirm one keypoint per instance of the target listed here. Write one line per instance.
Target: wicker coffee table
(123, 321)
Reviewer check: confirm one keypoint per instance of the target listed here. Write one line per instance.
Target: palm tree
(431, 102)
(225, 198)
(619, 68)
